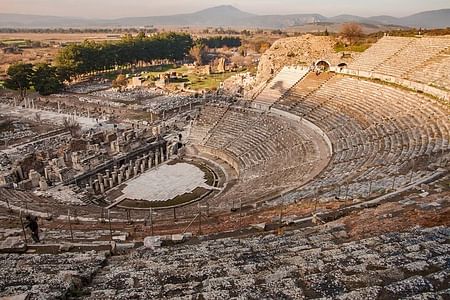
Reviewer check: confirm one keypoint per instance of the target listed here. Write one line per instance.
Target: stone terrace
(378, 133)
(434, 72)
(422, 60)
(269, 153)
(309, 263)
(47, 276)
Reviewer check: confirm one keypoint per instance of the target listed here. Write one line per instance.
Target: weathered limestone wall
(303, 50)
(118, 170)
(229, 159)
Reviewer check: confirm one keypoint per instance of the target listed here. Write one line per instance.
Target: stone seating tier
(311, 263)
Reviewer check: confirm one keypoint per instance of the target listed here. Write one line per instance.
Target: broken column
(106, 181)
(99, 178)
(96, 186)
(150, 158)
(142, 166)
(137, 166)
(43, 186)
(114, 177)
(34, 177)
(157, 157)
(47, 172)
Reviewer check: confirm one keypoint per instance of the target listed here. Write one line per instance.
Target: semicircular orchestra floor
(172, 184)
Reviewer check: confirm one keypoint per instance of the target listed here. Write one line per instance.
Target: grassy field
(195, 81)
(353, 48)
(13, 42)
(208, 82)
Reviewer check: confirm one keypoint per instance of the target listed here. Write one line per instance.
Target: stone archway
(322, 65)
(342, 65)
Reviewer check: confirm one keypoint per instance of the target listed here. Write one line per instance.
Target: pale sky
(130, 8)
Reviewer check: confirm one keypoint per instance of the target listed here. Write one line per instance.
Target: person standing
(34, 227)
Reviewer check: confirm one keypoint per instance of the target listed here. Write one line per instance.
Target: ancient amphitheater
(331, 182)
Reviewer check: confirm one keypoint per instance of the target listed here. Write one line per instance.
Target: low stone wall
(420, 87)
(223, 155)
(305, 123)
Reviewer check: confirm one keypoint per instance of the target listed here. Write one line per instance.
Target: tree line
(220, 42)
(42, 76)
(90, 57)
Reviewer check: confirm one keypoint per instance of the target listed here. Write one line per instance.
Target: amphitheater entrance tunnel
(322, 65)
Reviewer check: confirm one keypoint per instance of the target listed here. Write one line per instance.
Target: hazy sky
(126, 8)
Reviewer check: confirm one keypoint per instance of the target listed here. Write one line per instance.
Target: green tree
(68, 60)
(45, 79)
(90, 57)
(19, 78)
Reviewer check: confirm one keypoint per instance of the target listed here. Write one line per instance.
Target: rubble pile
(42, 145)
(88, 87)
(128, 95)
(166, 103)
(99, 101)
(5, 161)
(59, 158)
(19, 130)
(238, 84)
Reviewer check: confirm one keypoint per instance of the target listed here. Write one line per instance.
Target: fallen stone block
(188, 235)
(65, 247)
(429, 206)
(24, 296)
(120, 238)
(177, 237)
(152, 242)
(260, 226)
(13, 244)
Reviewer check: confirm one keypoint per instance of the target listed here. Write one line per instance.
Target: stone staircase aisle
(279, 85)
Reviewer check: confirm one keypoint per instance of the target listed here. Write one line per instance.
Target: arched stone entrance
(323, 65)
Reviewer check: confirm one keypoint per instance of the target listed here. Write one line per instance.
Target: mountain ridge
(226, 16)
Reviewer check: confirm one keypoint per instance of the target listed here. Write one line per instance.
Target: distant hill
(32, 21)
(227, 16)
(428, 19)
(215, 16)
